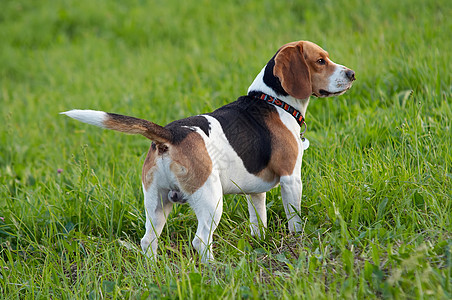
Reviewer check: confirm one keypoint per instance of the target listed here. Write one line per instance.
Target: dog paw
(257, 231)
(295, 226)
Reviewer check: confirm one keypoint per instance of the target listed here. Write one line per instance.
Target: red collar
(277, 102)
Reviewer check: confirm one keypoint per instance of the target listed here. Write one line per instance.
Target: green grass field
(377, 178)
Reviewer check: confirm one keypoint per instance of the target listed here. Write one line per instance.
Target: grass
(377, 177)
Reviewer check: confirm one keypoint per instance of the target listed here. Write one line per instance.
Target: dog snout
(350, 75)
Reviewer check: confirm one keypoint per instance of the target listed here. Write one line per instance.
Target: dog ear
(292, 71)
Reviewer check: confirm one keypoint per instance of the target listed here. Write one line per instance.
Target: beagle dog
(245, 147)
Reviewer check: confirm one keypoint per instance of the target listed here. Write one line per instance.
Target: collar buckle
(305, 128)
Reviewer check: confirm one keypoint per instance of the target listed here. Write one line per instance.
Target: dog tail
(121, 123)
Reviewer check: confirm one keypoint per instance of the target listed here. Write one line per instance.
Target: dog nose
(350, 74)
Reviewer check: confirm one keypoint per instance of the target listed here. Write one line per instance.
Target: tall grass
(377, 177)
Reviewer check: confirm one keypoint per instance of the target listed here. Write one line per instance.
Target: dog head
(304, 69)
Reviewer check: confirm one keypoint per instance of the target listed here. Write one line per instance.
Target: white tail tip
(93, 117)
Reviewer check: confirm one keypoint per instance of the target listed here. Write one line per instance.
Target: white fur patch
(92, 117)
(259, 85)
(338, 80)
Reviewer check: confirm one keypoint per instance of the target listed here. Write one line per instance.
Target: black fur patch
(179, 131)
(271, 80)
(243, 123)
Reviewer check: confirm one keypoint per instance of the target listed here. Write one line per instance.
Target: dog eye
(321, 61)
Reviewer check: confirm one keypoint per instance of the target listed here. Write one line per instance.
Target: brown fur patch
(292, 71)
(284, 150)
(191, 163)
(297, 67)
(147, 175)
(132, 125)
(320, 74)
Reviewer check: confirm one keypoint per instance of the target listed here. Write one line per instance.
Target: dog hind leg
(157, 207)
(207, 202)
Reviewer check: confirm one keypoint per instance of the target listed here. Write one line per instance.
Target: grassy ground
(377, 177)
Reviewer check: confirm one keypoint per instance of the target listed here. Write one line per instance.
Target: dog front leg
(257, 211)
(291, 189)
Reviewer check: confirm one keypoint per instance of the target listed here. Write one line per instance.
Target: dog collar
(277, 102)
